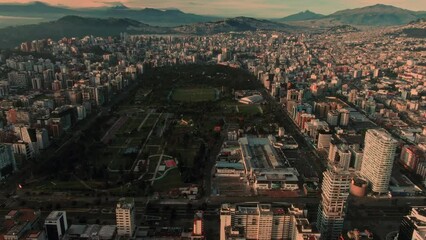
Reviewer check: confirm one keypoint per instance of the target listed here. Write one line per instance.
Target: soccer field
(194, 94)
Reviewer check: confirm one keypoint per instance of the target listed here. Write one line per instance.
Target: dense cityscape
(257, 134)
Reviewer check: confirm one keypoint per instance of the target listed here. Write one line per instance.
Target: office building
(377, 162)
(56, 225)
(125, 217)
(332, 209)
(263, 221)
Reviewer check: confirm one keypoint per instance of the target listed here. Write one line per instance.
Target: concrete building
(91, 232)
(332, 209)
(56, 225)
(303, 230)
(125, 217)
(344, 117)
(42, 138)
(413, 226)
(411, 156)
(262, 221)
(264, 167)
(377, 162)
(333, 118)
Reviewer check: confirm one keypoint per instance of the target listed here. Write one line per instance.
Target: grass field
(249, 109)
(171, 180)
(194, 94)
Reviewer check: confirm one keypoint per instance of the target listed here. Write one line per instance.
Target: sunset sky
(254, 8)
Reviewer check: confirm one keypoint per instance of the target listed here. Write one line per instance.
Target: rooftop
(54, 215)
(126, 203)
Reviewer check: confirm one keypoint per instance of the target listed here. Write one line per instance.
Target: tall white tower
(377, 163)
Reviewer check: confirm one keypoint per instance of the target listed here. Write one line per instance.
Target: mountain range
(376, 15)
(76, 22)
(156, 17)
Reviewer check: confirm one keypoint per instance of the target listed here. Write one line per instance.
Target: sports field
(249, 109)
(194, 94)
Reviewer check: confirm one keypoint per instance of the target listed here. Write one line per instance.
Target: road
(290, 128)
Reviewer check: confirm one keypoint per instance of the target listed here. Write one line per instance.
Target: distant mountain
(157, 17)
(238, 24)
(33, 9)
(73, 26)
(119, 6)
(301, 16)
(376, 15)
(151, 16)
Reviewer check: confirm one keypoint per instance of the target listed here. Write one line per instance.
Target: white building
(260, 221)
(56, 225)
(377, 162)
(125, 217)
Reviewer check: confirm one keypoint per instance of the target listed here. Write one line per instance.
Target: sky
(232, 8)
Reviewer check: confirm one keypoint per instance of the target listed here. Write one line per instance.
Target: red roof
(170, 163)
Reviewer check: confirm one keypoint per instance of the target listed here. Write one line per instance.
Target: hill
(238, 24)
(376, 15)
(301, 16)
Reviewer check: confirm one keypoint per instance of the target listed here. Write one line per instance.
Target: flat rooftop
(259, 153)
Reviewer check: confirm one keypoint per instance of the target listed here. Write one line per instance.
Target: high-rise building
(7, 160)
(413, 226)
(263, 222)
(56, 225)
(333, 118)
(198, 229)
(332, 209)
(344, 117)
(377, 162)
(125, 217)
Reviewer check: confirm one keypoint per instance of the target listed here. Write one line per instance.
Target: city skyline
(251, 8)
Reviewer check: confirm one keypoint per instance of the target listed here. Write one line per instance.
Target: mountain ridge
(301, 16)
